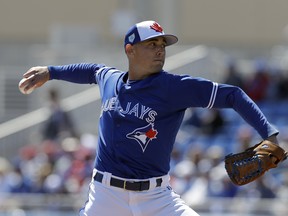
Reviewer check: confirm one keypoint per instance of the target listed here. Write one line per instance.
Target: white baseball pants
(106, 200)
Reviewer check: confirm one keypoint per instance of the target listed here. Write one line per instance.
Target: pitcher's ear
(129, 49)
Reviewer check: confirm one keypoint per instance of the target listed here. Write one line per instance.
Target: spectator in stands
(207, 122)
(212, 122)
(5, 167)
(257, 87)
(59, 124)
(282, 86)
(233, 76)
(266, 190)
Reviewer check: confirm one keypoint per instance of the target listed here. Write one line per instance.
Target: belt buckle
(140, 188)
(124, 186)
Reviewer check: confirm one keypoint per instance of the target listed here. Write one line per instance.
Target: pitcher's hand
(34, 78)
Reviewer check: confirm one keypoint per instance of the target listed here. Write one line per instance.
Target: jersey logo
(143, 135)
(156, 27)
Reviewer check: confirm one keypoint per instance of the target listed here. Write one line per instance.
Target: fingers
(35, 70)
(31, 81)
(26, 82)
(30, 72)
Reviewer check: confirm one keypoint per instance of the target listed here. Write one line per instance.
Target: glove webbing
(239, 161)
(246, 162)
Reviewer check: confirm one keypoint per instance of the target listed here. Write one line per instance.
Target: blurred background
(48, 138)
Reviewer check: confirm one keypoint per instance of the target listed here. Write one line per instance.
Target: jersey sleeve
(186, 91)
(83, 73)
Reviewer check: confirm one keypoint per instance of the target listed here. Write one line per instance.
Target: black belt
(128, 185)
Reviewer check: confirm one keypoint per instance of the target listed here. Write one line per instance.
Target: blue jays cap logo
(143, 135)
(156, 27)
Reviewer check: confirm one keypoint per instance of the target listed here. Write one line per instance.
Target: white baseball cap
(146, 30)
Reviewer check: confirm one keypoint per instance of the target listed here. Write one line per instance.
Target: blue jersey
(139, 120)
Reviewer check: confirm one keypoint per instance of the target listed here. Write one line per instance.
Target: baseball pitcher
(142, 110)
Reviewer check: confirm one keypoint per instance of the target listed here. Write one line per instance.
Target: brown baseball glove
(245, 167)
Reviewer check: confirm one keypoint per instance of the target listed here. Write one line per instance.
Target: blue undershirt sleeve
(83, 73)
(236, 98)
